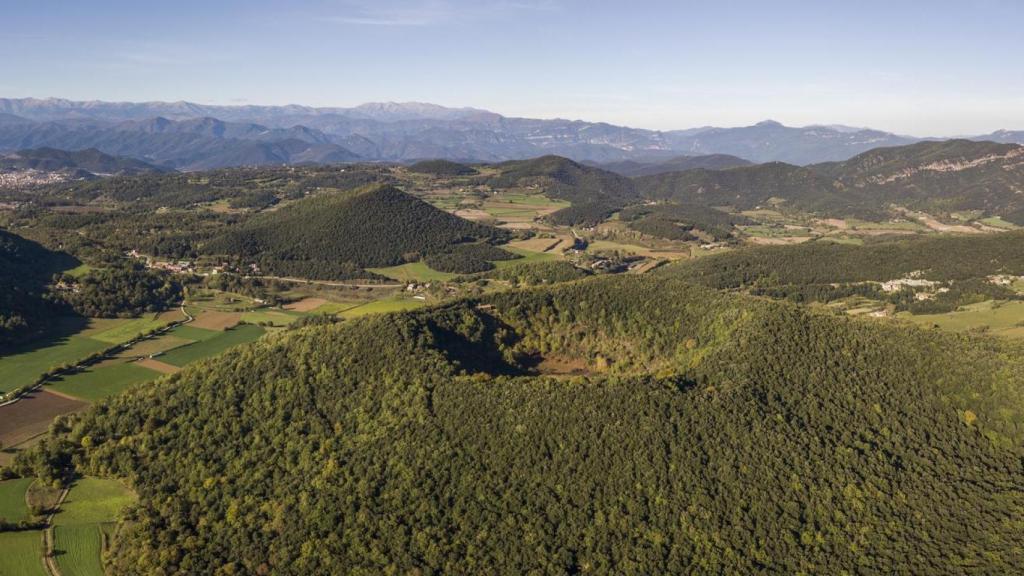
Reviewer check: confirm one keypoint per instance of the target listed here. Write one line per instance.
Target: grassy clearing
(78, 550)
(527, 257)
(220, 342)
(382, 306)
(998, 318)
(93, 501)
(94, 384)
(77, 537)
(21, 553)
(79, 271)
(413, 272)
(997, 222)
(12, 499)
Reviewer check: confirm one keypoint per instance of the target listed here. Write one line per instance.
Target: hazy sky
(933, 67)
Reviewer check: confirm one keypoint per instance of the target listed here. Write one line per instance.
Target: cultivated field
(382, 306)
(32, 415)
(306, 304)
(209, 346)
(997, 318)
(13, 507)
(216, 320)
(78, 550)
(21, 553)
(413, 272)
(77, 538)
(94, 384)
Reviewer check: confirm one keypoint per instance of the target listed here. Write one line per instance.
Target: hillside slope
(708, 433)
(594, 193)
(25, 269)
(90, 160)
(632, 168)
(334, 235)
(938, 177)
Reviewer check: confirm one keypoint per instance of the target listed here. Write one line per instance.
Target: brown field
(213, 320)
(779, 241)
(32, 415)
(536, 244)
(306, 304)
(473, 214)
(171, 316)
(158, 366)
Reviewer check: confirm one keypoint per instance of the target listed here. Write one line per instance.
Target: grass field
(78, 549)
(77, 540)
(1001, 319)
(79, 339)
(382, 306)
(219, 342)
(413, 272)
(272, 317)
(12, 499)
(21, 553)
(193, 334)
(997, 222)
(97, 383)
(128, 329)
(336, 307)
(527, 257)
(24, 367)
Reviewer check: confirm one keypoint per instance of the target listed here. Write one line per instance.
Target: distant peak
(769, 124)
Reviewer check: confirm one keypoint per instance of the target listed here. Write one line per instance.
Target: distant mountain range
(191, 136)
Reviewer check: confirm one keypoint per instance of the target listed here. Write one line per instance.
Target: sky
(925, 68)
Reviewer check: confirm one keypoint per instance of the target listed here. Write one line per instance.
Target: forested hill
(633, 168)
(25, 270)
(594, 193)
(335, 235)
(932, 176)
(703, 432)
(938, 258)
(90, 160)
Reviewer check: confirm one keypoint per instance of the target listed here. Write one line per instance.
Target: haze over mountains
(191, 136)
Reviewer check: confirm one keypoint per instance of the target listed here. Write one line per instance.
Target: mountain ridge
(411, 131)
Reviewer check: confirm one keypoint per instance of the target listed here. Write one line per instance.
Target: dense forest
(334, 235)
(939, 258)
(442, 168)
(124, 289)
(26, 268)
(952, 270)
(698, 432)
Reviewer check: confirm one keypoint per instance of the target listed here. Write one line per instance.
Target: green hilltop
(336, 235)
